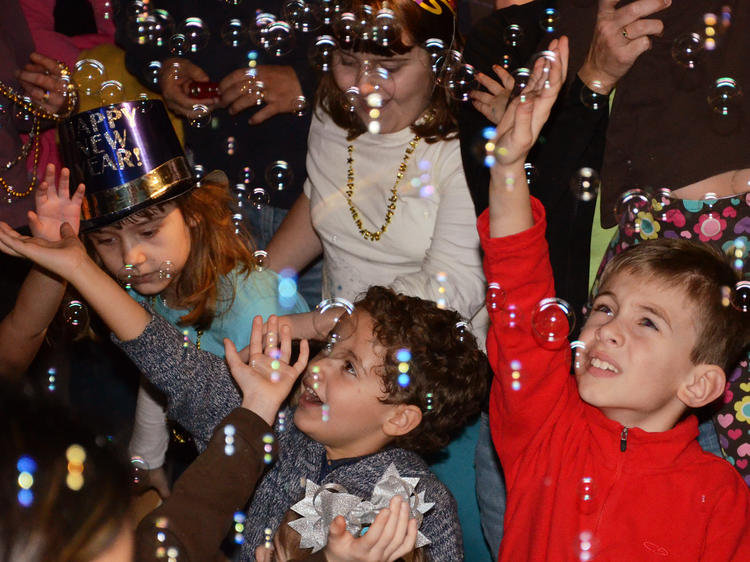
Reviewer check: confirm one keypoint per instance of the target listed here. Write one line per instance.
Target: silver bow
(322, 504)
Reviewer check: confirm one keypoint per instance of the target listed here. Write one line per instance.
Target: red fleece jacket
(580, 486)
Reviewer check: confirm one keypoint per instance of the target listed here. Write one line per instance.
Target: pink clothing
(40, 17)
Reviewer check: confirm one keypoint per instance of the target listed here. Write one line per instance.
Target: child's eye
(349, 368)
(149, 233)
(103, 241)
(648, 323)
(603, 308)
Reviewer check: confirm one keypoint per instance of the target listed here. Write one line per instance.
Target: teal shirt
(256, 294)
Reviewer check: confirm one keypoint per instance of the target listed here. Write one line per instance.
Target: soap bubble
(532, 175)
(246, 175)
(329, 10)
(741, 296)
(447, 65)
(586, 546)
(251, 86)
(550, 20)
(436, 49)
(351, 99)
(200, 116)
(136, 28)
(594, 100)
(331, 319)
(686, 49)
(585, 184)
(386, 30)
(299, 106)
(153, 73)
(259, 198)
(259, 28)
(724, 96)
(278, 39)
(345, 29)
(662, 199)
(261, 259)
(521, 78)
(461, 82)
(578, 349)
(279, 175)
(159, 26)
(138, 470)
(196, 34)
(231, 146)
(178, 45)
(495, 297)
(234, 33)
(737, 252)
(111, 92)
(629, 205)
(166, 270)
(88, 74)
(586, 494)
(513, 35)
(321, 54)
(376, 86)
(126, 275)
(462, 330)
(552, 321)
(302, 15)
(76, 314)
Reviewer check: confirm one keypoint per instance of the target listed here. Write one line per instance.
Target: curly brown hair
(448, 376)
(418, 25)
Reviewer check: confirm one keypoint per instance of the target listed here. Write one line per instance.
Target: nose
(610, 332)
(132, 254)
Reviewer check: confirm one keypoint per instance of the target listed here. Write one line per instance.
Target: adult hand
(281, 88)
(528, 112)
(42, 81)
(391, 536)
(492, 103)
(267, 378)
(55, 206)
(621, 35)
(176, 75)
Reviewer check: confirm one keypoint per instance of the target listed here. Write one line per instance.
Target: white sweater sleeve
(150, 433)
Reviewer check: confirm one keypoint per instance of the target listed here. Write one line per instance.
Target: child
(355, 414)
(180, 250)
(606, 465)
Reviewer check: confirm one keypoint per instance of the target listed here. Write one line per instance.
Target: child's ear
(402, 420)
(704, 385)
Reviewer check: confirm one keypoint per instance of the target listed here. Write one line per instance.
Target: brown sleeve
(197, 516)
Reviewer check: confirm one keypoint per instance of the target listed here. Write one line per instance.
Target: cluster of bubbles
(428, 399)
(170, 552)
(441, 278)
(185, 339)
(515, 374)
(403, 356)
(94, 87)
(26, 467)
(76, 456)
(281, 420)
(268, 448)
(585, 547)
(268, 538)
(51, 379)
(422, 181)
(239, 527)
(229, 432)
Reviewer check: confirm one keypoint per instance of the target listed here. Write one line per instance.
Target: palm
(55, 206)
(62, 257)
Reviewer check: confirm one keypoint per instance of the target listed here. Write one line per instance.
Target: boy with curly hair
(407, 378)
(605, 465)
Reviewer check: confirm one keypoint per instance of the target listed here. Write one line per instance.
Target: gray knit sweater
(201, 392)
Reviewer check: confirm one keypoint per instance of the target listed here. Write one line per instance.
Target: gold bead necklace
(38, 114)
(391, 208)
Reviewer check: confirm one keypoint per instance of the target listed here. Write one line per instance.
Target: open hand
(63, 257)
(528, 112)
(621, 35)
(391, 536)
(267, 378)
(55, 206)
(492, 103)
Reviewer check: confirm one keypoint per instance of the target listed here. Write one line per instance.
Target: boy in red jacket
(605, 465)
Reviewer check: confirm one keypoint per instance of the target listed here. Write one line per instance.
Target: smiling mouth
(602, 368)
(310, 397)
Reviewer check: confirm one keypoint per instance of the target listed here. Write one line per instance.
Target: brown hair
(418, 25)
(448, 374)
(55, 521)
(216, 248)
(706, 280)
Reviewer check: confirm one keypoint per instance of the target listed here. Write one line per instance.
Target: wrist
(596, 80)
(264, 409)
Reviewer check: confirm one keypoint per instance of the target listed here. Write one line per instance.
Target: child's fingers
(233, 360)
(391, 524)
(304, 355)
(285, 343)
(272, 335)
(63, 186)
(372, 538)
(409, 542)
(401, 523)
(49, 174)
(256, 337)
(41, 193)
(505, 77)
(493, 86)
(34, 223)
(79, 193)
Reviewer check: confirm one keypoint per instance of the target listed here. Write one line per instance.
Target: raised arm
(295, 243)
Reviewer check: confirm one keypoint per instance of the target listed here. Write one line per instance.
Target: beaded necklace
(38, 114)
(391, 208)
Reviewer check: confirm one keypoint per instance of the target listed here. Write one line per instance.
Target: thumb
(230, 354)
(337, 528)
(66, 231)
